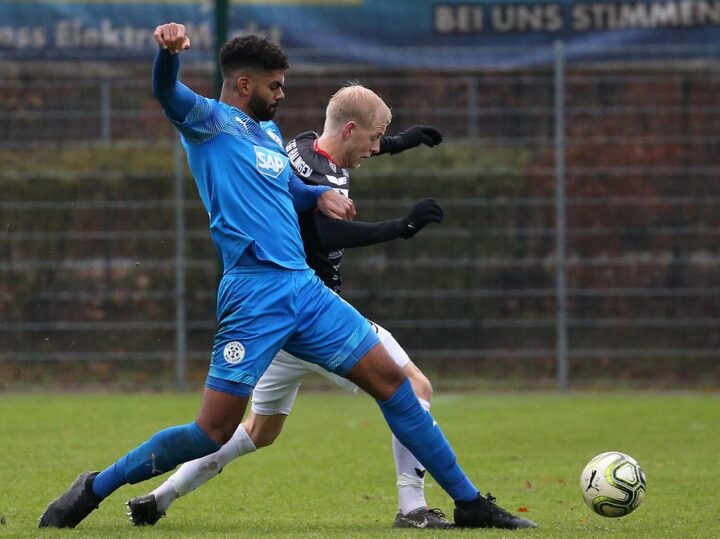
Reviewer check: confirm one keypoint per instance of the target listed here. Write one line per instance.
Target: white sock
(410, 475)
(196, 472)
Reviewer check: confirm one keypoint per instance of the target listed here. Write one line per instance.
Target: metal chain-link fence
(581, 242)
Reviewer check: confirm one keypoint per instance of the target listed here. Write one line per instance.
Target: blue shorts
(261, 310)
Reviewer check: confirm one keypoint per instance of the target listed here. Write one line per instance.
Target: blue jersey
(242, 174)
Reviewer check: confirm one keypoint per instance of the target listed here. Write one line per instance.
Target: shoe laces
(437, 512)
(494, 508)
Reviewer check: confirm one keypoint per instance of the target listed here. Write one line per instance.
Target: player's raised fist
(173, 37)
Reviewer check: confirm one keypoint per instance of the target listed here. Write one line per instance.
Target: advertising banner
(398, 33)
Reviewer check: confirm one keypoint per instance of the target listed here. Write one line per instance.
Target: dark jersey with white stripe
(316, 169)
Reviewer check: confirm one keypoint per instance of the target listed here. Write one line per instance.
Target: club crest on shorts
(234, 352)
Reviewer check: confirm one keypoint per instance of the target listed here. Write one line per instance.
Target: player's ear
(348, 129)
(243, 84)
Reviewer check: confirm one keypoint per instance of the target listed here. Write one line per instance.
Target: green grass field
(331, 473)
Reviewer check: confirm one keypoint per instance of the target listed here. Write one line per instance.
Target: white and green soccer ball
(613, 484)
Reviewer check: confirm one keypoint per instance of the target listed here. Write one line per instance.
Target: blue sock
(417, 430)
(158, 455)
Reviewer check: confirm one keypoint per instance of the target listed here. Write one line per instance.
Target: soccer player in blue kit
(268, 298)
(325, 159)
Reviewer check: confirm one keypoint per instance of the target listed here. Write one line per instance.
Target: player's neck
(229, 98)
(330, 147)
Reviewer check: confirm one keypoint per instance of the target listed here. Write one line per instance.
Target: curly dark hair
(251, 52)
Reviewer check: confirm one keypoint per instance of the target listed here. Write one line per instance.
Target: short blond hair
(355, 103)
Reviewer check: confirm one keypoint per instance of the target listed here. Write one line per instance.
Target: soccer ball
(613, 484)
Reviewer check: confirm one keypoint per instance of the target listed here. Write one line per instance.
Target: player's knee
(389, 379)
(420, 384)
(261, 438)
(264, 441)
(221, 434)
(220, 431)
(263, 430)
(220, 414)
(377, 373)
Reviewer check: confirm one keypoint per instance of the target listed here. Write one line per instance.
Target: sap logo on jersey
(269, 163)
(234, 352)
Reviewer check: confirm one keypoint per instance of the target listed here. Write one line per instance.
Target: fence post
(560, 220)
(222, 22)
(180, 307)
(473, 110)
(105, 111)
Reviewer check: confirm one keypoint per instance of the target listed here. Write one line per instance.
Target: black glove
(410, 138)
(424, 212)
